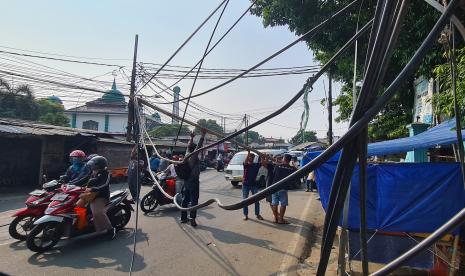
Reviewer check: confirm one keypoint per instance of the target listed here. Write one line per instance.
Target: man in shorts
(280, 197)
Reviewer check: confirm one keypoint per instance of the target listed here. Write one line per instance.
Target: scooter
(61, 218)
(155, 197)
(36, 204)
(220, 165)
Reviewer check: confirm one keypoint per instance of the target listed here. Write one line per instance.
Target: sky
(104, 31)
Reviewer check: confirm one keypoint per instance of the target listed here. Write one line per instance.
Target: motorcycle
(36, 204)
(220, 165)
(61, 218)
(155, 197)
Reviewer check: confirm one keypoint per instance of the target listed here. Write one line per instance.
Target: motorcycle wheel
(149, 203)
(44, 236)
(21, 226)
(121, 220)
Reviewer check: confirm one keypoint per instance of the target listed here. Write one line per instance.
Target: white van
(235, 170)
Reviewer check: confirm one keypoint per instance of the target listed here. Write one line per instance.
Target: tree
(255, 137)
(17, 102)
(309, 136)
(169, 130)
(443, 102)
(52, 113)
(300, 16)
(209, 124)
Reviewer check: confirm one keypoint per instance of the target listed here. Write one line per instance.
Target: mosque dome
(113, 95)
(55, 99)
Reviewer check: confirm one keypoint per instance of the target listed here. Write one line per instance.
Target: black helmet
(89, 157)
(98, 163)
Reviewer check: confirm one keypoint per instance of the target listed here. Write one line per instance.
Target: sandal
(283, 221)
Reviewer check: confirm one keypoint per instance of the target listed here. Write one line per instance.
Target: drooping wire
(198, 70)
(307, 35)
(214, 45)
(182, 45)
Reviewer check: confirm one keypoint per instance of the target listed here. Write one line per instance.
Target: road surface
(222, 244)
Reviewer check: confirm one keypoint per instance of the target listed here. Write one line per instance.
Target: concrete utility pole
(330, 109)
(246, 122)
(131, 94)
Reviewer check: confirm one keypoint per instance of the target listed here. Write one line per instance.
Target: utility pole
(246, 122)
(131, 94)
(330, 109)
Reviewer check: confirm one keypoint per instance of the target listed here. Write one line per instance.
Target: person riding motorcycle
(98, 194)
(78, 173)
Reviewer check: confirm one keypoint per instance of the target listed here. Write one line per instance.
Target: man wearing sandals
(280, 198)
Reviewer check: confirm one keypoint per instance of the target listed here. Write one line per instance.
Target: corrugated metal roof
(22, 127)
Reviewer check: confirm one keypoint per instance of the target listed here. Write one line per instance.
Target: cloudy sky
(103, 32)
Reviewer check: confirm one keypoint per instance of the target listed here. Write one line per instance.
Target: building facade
(107, 114)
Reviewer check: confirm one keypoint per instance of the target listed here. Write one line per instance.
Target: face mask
(75, 160)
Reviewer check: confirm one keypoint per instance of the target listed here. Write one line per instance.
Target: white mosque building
(107, 114)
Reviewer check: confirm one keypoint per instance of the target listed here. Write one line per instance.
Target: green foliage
(309, 136)
(209, 124)
(169, 130)
(255, 137)
(443, 102)
(300, 16)
(20, 103)
(52, 113)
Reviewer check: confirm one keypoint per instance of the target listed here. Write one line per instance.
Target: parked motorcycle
(155, 197)
(220, 165)
(36, 204)
(62, 220)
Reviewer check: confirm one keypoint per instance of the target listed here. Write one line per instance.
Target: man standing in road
(191, 184)
(249, 184)
(280, 197)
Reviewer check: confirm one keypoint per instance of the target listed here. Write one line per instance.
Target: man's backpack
(182, 170)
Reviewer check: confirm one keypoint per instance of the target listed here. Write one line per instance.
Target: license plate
(37, 193)
(60, 197)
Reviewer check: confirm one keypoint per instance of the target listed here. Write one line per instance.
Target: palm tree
(17, 102)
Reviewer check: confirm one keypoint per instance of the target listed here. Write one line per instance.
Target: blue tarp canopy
(401, 197)
(442, 134)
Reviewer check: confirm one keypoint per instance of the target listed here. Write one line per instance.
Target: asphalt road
(222, 244)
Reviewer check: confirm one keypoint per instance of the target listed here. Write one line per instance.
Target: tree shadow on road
(85, 253)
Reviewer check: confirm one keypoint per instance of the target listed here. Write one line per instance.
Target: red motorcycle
(36, 204)
(155, 197)
(63, 219)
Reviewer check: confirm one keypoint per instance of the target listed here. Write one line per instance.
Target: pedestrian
(163, 162)
(154, 162)
(268, 164)
(133, 174)
(310, 181)
(250, 185)
(281, 171)
(191, 184)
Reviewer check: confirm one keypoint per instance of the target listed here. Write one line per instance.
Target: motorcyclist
(99, 186)
(78, 173)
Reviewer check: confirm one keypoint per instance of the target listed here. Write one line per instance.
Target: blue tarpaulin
(401, 197)
(442, 134)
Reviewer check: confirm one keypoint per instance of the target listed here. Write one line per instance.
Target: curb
(297, 246)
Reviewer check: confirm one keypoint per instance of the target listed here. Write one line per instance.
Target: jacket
(100, 183)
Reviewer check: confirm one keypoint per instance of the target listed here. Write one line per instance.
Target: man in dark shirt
(249, 184)
(280, 172)
(191, 184)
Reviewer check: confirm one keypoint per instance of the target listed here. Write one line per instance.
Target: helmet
(90, 156)
(98, 163)
(77, 153)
